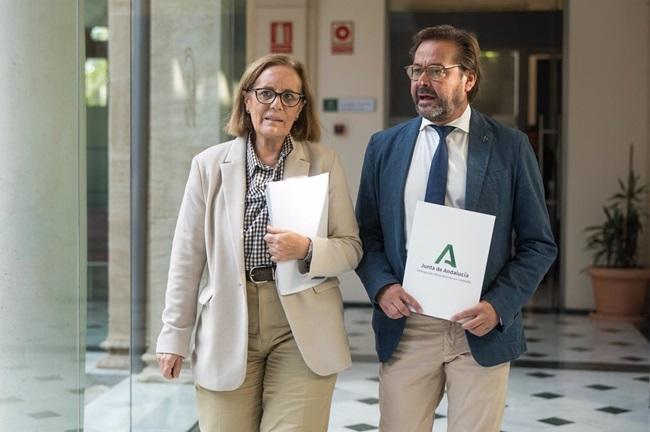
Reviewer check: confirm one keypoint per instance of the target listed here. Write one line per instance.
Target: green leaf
(614, 242)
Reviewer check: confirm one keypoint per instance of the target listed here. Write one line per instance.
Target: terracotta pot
(619, 293)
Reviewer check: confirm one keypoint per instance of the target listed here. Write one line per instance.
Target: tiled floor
(550, 338)
(543, 401)
(578, 375)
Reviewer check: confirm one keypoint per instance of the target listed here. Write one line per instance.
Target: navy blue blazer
(503, 180)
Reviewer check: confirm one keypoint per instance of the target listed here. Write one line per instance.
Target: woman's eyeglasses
(267, 96)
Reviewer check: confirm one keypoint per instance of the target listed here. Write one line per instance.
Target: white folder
(447, 256)
(298, 204)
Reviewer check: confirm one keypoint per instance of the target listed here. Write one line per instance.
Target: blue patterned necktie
(437, 182)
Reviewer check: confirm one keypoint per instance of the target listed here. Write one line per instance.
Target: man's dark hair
(468, 53)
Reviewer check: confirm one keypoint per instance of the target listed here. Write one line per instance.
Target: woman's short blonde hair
(306, 128)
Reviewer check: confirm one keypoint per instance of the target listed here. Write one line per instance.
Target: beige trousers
(280, 393)
(432, 354)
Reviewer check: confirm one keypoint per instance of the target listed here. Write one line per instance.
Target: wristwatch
(310, 252)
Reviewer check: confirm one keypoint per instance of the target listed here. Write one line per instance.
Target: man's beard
(440, 110)
(433, 113)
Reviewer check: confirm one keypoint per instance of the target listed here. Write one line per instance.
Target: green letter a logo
(449, 249)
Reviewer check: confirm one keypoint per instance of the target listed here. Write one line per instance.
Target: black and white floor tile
(579, 375)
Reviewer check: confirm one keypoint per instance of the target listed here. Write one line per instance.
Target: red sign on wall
(282, 37)
(342, 35)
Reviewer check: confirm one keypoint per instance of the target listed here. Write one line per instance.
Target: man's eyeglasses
(434, 72)
(267, 96)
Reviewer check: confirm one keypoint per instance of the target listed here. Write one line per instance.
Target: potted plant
(619, 283)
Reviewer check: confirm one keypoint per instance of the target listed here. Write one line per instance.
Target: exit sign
(330, 105)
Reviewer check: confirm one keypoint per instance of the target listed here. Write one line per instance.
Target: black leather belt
(260, 274)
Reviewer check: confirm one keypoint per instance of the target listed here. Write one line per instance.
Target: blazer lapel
(404, 155)
(478, 154)
(298, 162)
(233, 177)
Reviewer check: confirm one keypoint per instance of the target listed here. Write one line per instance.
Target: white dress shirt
(418, 175)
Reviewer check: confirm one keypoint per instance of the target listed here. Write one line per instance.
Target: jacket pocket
(328, 284)
(206, 295)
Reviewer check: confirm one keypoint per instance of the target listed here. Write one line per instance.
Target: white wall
(605, 109)
(361, 74)
(260, 15)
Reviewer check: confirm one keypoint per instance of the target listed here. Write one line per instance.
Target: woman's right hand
(170, 364)
(285, 245)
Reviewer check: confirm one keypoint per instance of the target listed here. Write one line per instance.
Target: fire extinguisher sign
(342, 37)
(282, 37)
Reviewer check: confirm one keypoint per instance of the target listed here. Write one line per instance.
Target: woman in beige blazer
(261, 361)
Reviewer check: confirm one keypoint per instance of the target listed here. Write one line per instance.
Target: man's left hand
(482, 318)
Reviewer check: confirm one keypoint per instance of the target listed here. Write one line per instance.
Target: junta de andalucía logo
(447, 251)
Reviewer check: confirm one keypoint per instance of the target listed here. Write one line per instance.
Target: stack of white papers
(447, 256)
(298, 204)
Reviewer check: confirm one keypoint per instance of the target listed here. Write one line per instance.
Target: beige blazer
(209, 232)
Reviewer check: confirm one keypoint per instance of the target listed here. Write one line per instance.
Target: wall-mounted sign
(282, 37)
(356, 104)
(349, 105)
(342, 35)
(330, 105)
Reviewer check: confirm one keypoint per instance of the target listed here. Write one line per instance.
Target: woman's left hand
(285, 245)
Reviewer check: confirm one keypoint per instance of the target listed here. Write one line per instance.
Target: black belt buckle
(266, 274)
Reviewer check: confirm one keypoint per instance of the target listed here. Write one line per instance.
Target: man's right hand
(395, 302)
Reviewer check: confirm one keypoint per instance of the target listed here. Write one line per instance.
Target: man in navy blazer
(482, 166)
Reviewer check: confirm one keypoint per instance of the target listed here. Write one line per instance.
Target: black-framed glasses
(435, 72)
(267, 96)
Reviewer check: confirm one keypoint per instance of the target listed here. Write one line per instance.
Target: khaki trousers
(280, 393)
(432, 354)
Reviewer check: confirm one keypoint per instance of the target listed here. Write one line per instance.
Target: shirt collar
(461, 122)
(252, 161)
